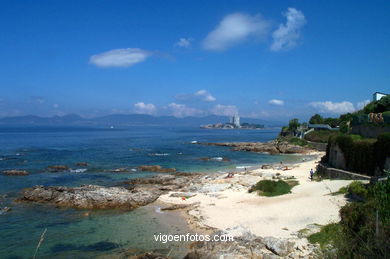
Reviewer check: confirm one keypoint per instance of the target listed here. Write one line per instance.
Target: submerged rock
(120, 170)
(57, 168)
(16, 172)
(220, 159)
(91, 196)
(82, 164)
(176, 207)
(156, 168)
(5, 210)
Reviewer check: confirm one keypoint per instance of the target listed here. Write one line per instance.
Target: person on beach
(311, 174)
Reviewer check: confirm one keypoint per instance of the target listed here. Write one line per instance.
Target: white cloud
(120, 57)
(331, 107)
(287, 35)
(56, 106)
(182, 110)
(234, 29)
(144, 108)
(37, 99)
(276, 102)
(205, 96)
(201, 95)
(184, 42)
(362, 104)
(224, 110)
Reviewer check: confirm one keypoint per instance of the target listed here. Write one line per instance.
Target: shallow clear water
(87, 234)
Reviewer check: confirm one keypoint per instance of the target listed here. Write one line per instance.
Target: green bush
(273, 188)
(364, 228)
(358, 189)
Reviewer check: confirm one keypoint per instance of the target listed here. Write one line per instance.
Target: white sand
(280, 216)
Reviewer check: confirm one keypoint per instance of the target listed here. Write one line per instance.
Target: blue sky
(265, 59)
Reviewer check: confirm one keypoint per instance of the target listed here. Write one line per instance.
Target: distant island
(233, 124)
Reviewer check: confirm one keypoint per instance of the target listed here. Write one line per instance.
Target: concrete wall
(318, 146)
(334, 173)
(369, 131)
(336, 157)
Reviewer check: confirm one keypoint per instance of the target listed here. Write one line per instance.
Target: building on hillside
(377, 96)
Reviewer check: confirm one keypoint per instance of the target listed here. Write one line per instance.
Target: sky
(272, 60)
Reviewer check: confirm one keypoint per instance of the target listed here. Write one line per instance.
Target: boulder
(91, 196)
(15, 172)
(280, 247)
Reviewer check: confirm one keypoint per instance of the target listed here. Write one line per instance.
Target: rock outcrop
(15, 172)
(156, 168)
(91, 196)
(249, 246)
(139, 192)
(272, 147)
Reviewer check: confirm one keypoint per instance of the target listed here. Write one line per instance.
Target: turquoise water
(88, 234)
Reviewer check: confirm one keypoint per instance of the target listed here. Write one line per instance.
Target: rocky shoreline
(133, 194)
(271, 147)
(184, 192)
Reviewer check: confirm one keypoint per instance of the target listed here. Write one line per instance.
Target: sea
(74, 233)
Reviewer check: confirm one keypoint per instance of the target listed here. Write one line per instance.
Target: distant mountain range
(123, 120)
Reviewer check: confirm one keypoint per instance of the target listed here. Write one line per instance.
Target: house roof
(380, 93)
(321, 126)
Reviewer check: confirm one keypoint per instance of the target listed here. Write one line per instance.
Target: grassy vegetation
(342, 190)
(364, 228)
(327, 236)
(321, 136)
(271, 188)
(297, 141)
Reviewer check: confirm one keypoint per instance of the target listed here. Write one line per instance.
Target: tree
(333, 122)
(379, 106)
(293, 124)
(316, 119)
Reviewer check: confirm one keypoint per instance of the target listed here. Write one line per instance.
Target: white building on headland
(377, 96)
(235, 121)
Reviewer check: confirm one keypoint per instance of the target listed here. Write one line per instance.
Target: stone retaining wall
(334, 173)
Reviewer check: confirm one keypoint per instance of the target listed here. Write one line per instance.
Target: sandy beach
(224, 203)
